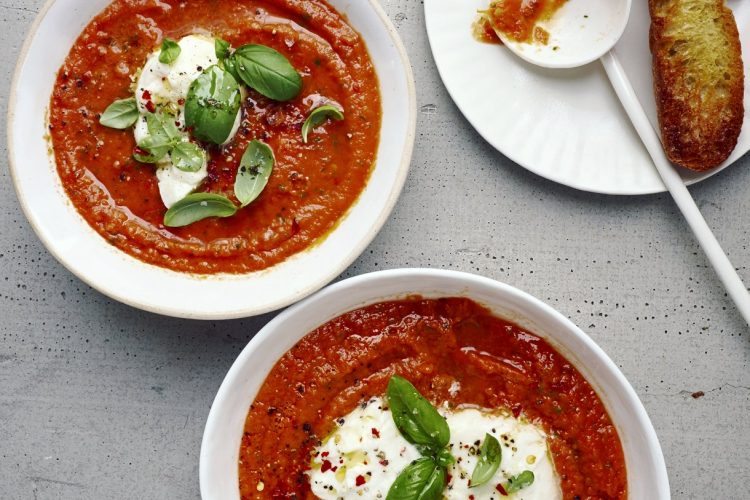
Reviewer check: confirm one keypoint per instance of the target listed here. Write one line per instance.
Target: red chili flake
(334, 468)
(360, 480)
(325, 454)
(450, 478)
(516, 409)
(471, 497)
(181, 101)
(375, 432)
(146, 95)
(326, 466)
(502, 491)
(698, 394)
(150, 106)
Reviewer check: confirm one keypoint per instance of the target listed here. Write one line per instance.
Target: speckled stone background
(98, 400)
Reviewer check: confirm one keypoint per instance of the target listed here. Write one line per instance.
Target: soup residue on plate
(516, 19)
(313, 184)
(457, 354)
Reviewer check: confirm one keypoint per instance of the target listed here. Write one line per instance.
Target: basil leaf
(267, 71)
(444, 458)
(318, 116)
(198, 206)
(120, 114)
(162, 126)
(423, 479)
(415, 417)
(519, 482)
(490, 456)
(170, 51)
(154, 150)
(222, 49)
(188, 157)
(255, 169)
(212, 104)
(230, 66)
(163, 135)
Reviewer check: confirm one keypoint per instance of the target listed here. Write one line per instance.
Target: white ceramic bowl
(647, 474)
(85, 253)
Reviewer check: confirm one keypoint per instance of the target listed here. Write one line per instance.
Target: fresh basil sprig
(212, 104)
(519, 482)
(266, 70)
(490, 456)
(420, 424)
(150, 150)
(163, 125)
(163, 136)
(423, 479)
(121, 114)
(318, 116)
(198, 206)
(170, 51)
(188, 157)
(255, 169)
(415, 417)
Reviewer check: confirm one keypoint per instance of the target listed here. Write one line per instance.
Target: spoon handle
(716, 256)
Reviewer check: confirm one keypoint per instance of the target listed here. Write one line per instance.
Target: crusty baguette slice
(698, 80)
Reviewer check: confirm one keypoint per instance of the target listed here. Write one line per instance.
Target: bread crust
(698, 80)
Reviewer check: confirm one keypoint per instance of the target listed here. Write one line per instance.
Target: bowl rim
(334, 269)
(220, 406)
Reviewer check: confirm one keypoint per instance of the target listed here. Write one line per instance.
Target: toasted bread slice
(698, 80)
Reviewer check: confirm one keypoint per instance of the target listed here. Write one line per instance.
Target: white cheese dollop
(162, 84)
(366, 452)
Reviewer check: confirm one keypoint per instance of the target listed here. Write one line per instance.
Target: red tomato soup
(312, 185)
(434, 343)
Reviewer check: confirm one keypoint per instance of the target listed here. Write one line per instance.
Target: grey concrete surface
(98, 400)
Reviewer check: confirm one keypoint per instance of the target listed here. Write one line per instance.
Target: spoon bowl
(580, 32)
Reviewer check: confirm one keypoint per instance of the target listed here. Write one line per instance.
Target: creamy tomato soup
(321, 423)
(314, 181)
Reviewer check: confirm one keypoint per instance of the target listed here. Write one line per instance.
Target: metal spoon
(585, 30)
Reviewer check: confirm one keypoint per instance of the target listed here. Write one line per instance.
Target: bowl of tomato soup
(210, 158)
(513, 400)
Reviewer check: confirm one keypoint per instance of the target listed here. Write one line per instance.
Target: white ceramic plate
(566, 125)
(647, 473)
(70, 239)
